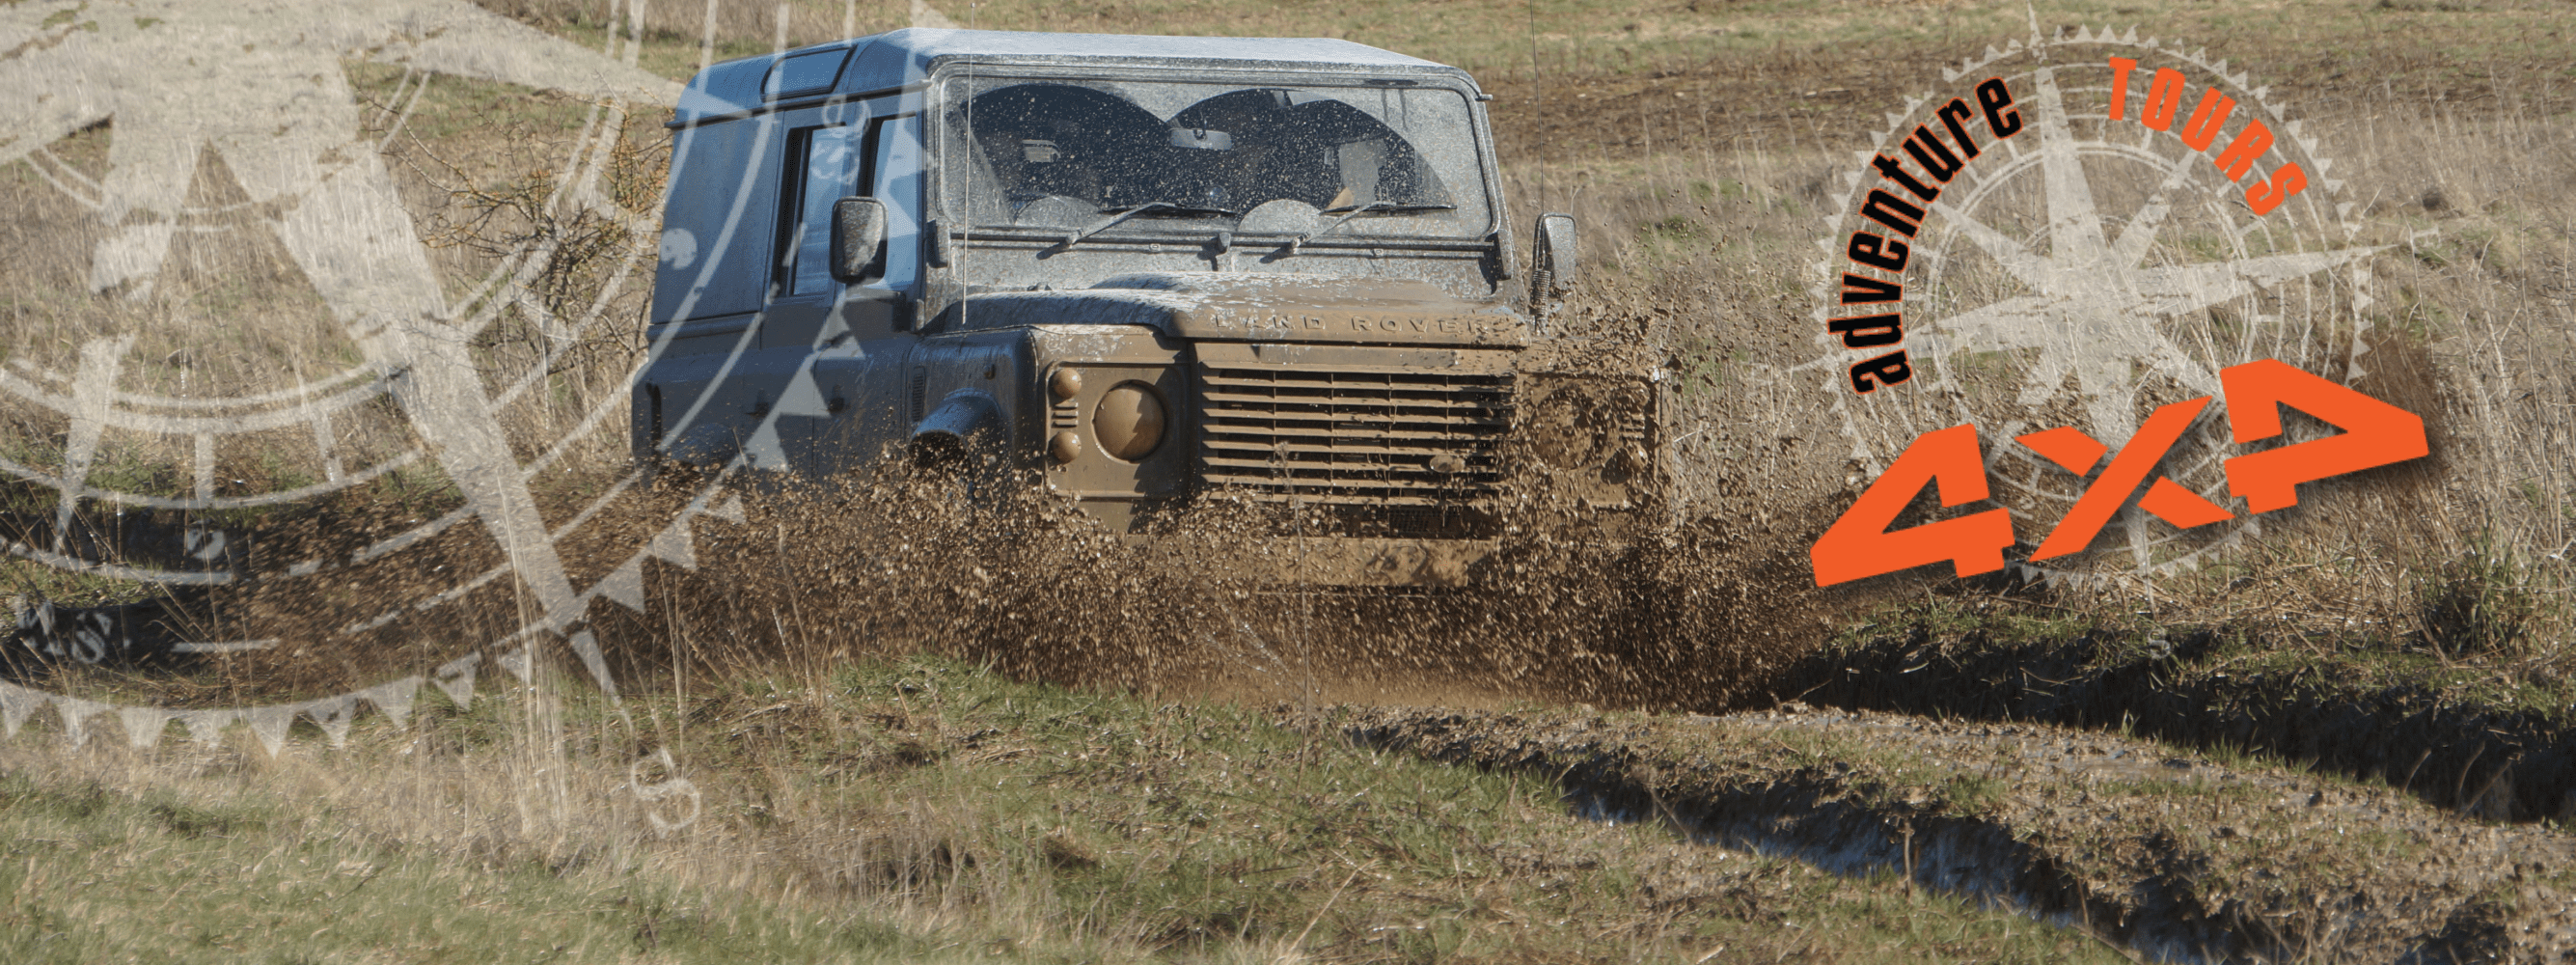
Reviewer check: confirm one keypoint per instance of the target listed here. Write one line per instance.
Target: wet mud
(2167, 853)
(2391, 725)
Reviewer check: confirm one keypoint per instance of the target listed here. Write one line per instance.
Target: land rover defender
(1132, 270)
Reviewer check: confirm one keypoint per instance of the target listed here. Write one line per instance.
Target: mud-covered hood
(1258, 306)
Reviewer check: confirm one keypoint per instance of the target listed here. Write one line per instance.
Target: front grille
(1374, 439)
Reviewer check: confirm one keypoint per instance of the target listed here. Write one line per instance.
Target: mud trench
(2170, 856)
(2475, 757)
(1950, 858)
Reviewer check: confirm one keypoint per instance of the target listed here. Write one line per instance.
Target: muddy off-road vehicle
(1132, 270)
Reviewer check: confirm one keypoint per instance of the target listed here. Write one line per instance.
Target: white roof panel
(899, 57)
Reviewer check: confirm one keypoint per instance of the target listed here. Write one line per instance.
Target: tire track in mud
(2170, 854)
(2362, 717)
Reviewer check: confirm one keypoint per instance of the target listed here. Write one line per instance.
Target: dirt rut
(2480, 749)
(2164, 851)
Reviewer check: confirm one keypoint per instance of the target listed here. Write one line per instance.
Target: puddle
(2168, 857)
(1958, 862)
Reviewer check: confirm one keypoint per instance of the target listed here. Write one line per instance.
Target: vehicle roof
(895, 58)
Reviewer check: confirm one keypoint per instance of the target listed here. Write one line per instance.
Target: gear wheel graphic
(2087, 270)
(316, 189)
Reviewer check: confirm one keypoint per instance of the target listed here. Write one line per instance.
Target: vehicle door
(857, 334)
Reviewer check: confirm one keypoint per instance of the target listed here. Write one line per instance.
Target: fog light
(1129, 421)
(1065, 447)
(1065, 383)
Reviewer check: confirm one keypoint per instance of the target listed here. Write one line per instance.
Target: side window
(825, 165)
(896, 171)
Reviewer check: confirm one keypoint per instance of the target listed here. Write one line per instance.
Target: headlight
(1570, 429)
(1128, 422)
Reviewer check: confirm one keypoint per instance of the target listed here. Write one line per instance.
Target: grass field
(916, 810)
(1069, 781)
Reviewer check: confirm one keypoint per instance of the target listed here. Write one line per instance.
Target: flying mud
(1565, 604)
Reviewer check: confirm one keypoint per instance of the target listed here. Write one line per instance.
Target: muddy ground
(2164, 851)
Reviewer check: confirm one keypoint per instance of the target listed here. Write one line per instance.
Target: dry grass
(232, 315)
(1697, 143)
(1678, 138)
(895, 810)
(1703, 211)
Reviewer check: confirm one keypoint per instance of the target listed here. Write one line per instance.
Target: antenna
(1538, 104)
(966, 151)
(707, 39)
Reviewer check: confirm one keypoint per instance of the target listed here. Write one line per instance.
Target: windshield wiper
(1373, 207)
(1162, 208)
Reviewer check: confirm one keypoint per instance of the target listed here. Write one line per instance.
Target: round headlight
(1569, 428)
(1128, 423)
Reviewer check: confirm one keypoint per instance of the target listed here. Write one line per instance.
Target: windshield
(1079, 157)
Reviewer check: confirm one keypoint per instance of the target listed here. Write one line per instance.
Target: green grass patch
(924, 808)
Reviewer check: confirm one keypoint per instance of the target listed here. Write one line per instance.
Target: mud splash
(1569, 602)
(1555, 611)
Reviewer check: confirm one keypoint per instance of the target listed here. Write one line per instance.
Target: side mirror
(1552, 264)
(858, 234)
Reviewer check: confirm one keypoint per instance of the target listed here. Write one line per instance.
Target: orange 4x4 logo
(2374, 433)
